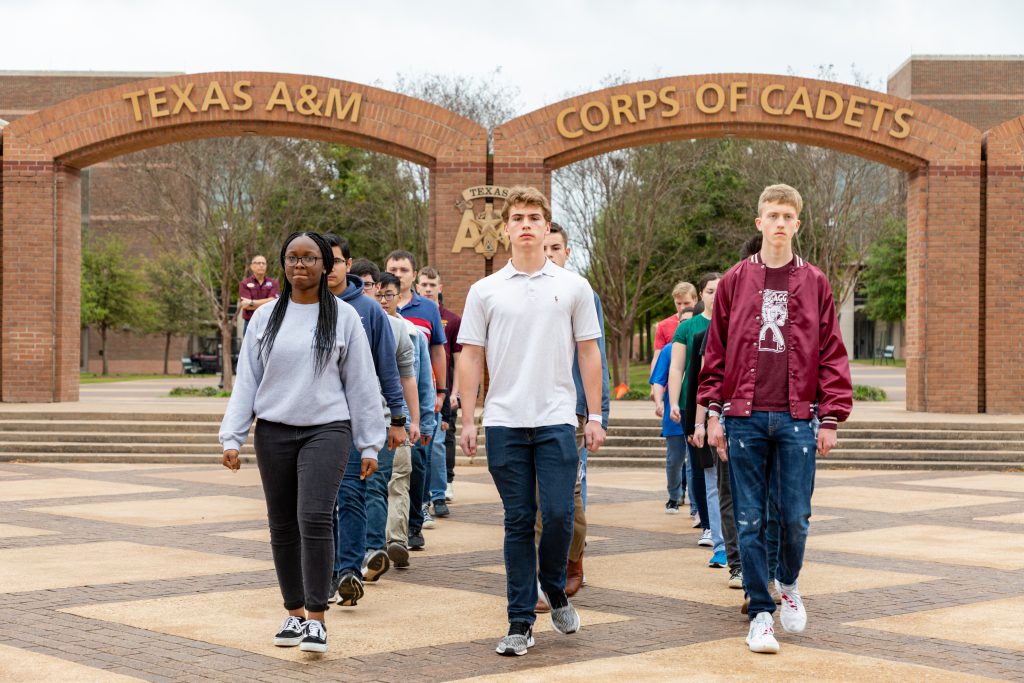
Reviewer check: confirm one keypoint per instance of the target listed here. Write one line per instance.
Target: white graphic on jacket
(774, 312)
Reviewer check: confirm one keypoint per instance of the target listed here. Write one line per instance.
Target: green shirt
(687, 330)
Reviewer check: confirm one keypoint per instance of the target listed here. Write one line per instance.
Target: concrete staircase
(633, 442)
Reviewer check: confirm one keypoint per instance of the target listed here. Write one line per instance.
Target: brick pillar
(943, 276)
(448, 178)
(1004, 332)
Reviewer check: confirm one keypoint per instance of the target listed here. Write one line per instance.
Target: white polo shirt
(529, 326)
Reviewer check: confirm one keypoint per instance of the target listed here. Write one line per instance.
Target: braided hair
(327, 318)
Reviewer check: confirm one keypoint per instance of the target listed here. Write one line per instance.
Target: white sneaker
(761, 636)
(793, 615)
(449, 493)
(705, 539)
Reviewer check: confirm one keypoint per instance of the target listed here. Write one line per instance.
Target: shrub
(863, 392)
(202, 392)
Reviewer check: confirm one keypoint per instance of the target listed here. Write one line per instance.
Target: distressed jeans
(771, 453)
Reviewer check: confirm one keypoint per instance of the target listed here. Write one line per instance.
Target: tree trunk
(103, 348)
(225, 341)
(613, 353)
(167, 351)
(625, 346)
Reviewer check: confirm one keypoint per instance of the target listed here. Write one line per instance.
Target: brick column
(41, 265)
(448, 178)
(1004, 277)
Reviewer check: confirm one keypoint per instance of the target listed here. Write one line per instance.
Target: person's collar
(549, 269)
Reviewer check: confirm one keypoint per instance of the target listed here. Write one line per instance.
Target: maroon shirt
(771, 389)
(251, 288)
(451, 322)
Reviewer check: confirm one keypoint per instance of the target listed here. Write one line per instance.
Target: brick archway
(42, 153)
(942, 156)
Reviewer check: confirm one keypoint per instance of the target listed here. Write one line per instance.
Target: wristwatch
(398, 420)
(713, 413)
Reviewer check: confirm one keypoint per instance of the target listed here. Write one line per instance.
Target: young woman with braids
(306, 372)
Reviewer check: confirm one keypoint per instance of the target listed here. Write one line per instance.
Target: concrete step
(125, 446)
(109, 437)
(116, 426)
(823, 463)
(84, 416)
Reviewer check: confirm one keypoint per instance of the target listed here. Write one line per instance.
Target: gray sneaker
(518, 640)
(565, 619)
(376, 564)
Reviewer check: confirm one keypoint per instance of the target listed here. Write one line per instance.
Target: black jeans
(449, 445)
(301, 470)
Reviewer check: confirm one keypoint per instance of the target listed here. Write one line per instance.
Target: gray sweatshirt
(285, 389)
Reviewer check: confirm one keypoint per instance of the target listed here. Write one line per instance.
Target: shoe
(736, 578)
(773, 589)
(350, 589)
(428, 521)
(416, 541)
(291, 632)
(718, 560)
(696, 520)
(441, 509)
(399, 554)
(377, 565)
(449, 493)
(564, 617)
(705, 539)
(761, 636)
(793, 614)
(518, 640)
(573, 576)
(541, 607)
(746, 604)
(315, 638)
(671, 507)
(335, 582)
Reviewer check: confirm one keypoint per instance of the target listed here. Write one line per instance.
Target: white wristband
(595, 418)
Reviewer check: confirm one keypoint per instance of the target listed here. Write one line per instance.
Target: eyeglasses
(386, 296)
(369, 285)
(308, 261)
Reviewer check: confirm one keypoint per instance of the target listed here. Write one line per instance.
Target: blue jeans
(689, 484)
(714, 511)
(771, 454)
(531, 467)
(417, 488)
(698, 492)
(675, 465)
(350, 518)
(583, 476)
(438, 463)
(377, 501)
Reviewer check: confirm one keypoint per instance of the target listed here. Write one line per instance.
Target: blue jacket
(382, 343)
(424, 383)
(577, 376)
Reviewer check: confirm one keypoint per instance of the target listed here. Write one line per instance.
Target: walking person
(776, 383)
(307, 374)
(671, 431)
(529, 318)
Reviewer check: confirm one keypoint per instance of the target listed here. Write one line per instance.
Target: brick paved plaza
(125, 571)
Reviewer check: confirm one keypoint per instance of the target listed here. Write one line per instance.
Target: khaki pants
(398, 496)
(579, 522)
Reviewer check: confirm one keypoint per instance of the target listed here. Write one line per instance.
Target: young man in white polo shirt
(529, 318)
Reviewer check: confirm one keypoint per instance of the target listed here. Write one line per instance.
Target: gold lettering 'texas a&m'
(308, 100)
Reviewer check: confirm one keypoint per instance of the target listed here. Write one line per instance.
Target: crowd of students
(352, 375)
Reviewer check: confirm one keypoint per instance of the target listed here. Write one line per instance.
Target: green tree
(885, 274)
(176, 306)
(112, 289)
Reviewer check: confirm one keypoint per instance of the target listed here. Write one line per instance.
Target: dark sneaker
(416, 541)
(335, 582)
(350, 589)
(377, 564)
(672, 507)
(519, 638)
(428, 521)
(291, 632)
(736, 578)
(441, 509)
(399, 554)
(315, 636)
(564, 617)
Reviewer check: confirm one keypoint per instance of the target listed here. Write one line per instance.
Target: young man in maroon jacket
(776, 383)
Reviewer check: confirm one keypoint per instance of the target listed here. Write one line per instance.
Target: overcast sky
(548, 49)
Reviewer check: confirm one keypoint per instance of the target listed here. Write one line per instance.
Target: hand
(230, 460)
(716, 439)
(414, 433)
(826, 441)
(675, 415)
(593, 436)
(659, 410)
(396, 436)
(468, 440)
(454, 401)
(369, 466)
(698, 436)
(444, 426)
(438, 402)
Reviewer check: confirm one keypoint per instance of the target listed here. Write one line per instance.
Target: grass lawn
(896, 363)
(96, 378)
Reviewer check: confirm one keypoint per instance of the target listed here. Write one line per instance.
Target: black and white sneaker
(564, 617)
(350, 589)
(518, 640)
(377, 564)
(314, 636)
(332, 597)
(291, 632)
(671, 507)
(416, 541)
